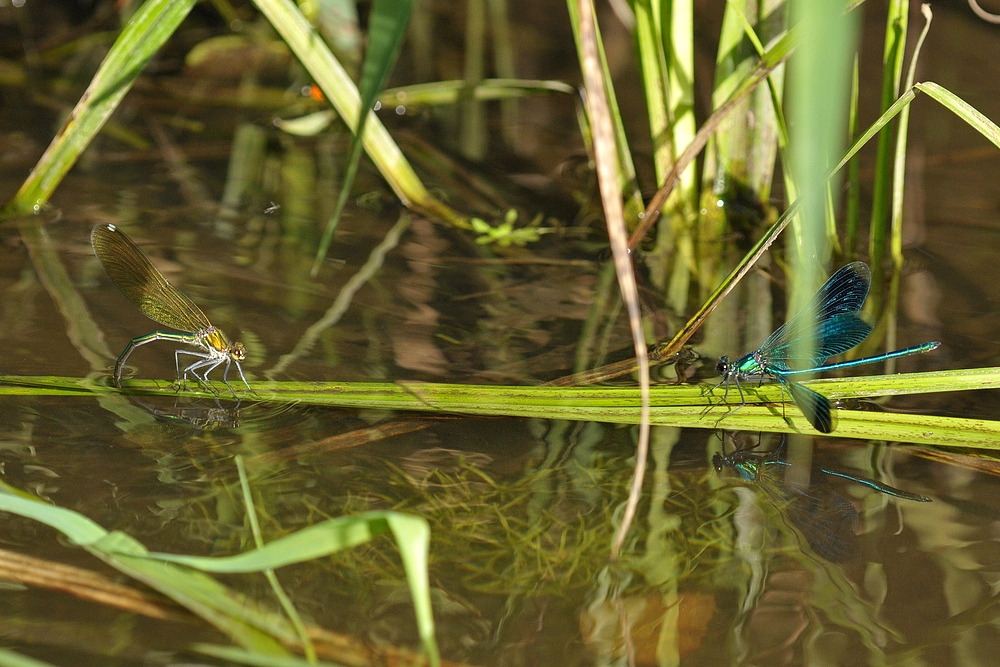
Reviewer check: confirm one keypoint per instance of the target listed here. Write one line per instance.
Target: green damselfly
(143, 284)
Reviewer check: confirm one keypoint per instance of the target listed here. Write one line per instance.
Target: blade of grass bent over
(412, 536)
(241, 619)
(246, 622)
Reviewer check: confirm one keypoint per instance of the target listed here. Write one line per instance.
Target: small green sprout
(505, 234)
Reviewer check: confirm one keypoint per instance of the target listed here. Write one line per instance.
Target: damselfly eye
(238, 351)
(723, 366)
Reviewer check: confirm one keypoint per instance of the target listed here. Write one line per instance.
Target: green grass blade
(853, 212)
(899, 159)
(678, 44)
(413, 535)
(892, 72)
(78, 528)
(655, 84)
(973, 117)
(245, 622)
(286, 603)
(387, 25)
(238, 617)
(141, 38)
(507, 399)
(321, 539)
(962, 109)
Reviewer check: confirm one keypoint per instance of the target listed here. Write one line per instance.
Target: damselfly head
(722, 368)
(718, 462)
(238, 351)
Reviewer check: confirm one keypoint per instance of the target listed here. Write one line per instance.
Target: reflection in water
(827, 520)
(200, 415)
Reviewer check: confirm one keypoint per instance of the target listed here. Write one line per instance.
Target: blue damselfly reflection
(827, 520)
(836, 322)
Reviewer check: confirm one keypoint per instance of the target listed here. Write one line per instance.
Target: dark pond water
(522, 512)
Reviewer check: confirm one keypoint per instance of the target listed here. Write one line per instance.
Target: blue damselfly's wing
(814, 405)
(843, 294)
(834, 336)
(827, 520)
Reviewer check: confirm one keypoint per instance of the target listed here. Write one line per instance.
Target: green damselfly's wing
(142, 283)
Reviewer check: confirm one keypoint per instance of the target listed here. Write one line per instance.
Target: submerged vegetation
(680, 193)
